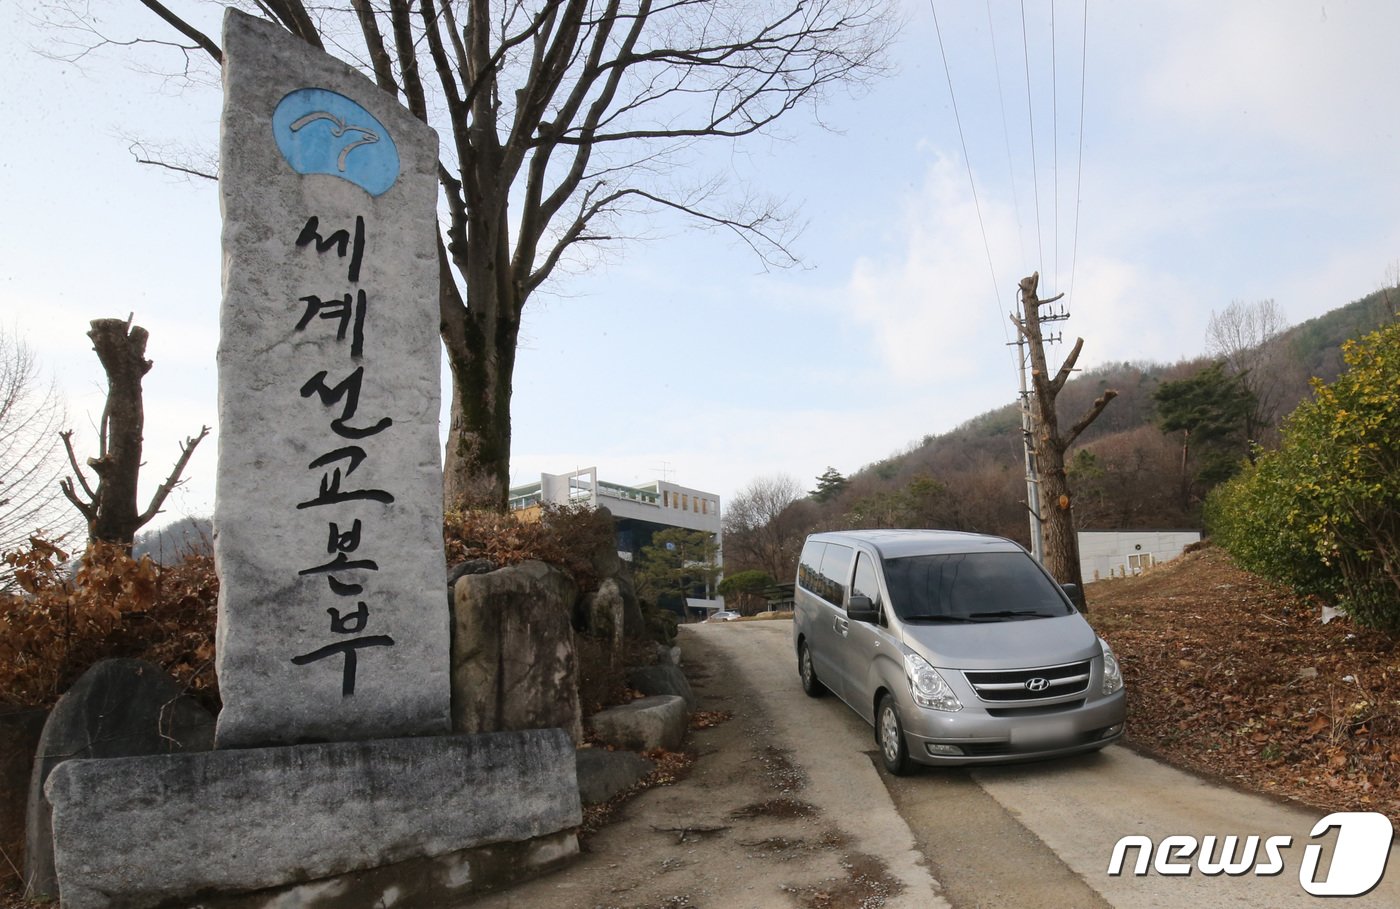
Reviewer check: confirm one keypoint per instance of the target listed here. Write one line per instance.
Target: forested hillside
(1146, 463)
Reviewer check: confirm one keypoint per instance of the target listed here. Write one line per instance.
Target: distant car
(723, 616)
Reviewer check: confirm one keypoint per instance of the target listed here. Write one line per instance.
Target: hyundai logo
(1037, 684)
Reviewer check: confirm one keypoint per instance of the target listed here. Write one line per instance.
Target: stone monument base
(445, 880)
(334, 824)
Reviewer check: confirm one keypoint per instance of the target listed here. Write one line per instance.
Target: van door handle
(843, 627)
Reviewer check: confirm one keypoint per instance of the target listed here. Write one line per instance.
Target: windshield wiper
(935, 617)
(1013, 614)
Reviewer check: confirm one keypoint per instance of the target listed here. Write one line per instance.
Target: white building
(1123, 553)
(638, 511)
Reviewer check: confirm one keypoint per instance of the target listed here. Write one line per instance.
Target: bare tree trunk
(122, 349)
(1186, 470)
(111, 510)
(1056, 499)
(480, 338)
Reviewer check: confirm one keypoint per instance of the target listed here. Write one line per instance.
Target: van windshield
(972, 587)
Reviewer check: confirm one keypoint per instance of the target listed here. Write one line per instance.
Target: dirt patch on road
(867, 884)
(731, 833)
(777, 808)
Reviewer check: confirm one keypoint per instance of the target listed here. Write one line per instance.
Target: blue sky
(1230, 151)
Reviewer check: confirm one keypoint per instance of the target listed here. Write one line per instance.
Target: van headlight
(928, 687)
(1112, 674)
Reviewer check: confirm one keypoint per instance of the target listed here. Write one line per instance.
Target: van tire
(889, 737)
(811, 685)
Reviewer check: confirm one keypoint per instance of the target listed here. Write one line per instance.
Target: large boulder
(513, 658)
(615, 590)
(663, 678)
(643, 724)
(118, 708)
(602, 774)
(633, 622)
(605, 614)
(472, 566)
(668, 654)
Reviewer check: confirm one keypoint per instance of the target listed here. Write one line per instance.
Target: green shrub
(1323, 512)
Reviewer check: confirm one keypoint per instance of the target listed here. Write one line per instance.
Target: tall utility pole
(1061, 553)
(1028, 429)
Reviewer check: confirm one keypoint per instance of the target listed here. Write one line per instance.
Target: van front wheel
(810, 683)
(889, 736)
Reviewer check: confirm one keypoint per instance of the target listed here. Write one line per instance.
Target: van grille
(1029, 685)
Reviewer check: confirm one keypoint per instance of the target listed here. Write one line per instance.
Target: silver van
(958, 648)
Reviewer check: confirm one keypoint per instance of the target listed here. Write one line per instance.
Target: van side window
(823, 569)
(836, 569)
(867, 582)
(809, 566)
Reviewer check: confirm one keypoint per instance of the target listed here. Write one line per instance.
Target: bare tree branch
(1067, 367)
(31, 413)
(178, 168)
(184, 28)
(173, 480)
(67, 437)
(293, 15)
(1090, 416)
(374, 41)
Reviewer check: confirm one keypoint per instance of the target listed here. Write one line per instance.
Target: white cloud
(1127, 312)
(930, 303)
(1303, 73)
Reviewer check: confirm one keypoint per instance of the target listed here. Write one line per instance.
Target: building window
(685, 503)
(665, 499)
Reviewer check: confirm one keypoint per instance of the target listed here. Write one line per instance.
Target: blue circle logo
(322, 132)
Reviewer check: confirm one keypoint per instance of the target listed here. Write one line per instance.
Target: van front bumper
(972, 736)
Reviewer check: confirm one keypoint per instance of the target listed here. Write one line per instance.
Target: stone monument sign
(328, 514)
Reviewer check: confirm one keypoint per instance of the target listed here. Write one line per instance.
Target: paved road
(1028, 835)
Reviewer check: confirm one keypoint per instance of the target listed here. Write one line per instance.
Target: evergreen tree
(1212, 411)
(829, 485)
(678, 563)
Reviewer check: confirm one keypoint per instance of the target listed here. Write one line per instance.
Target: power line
(967, 162)
(1006, 132)
(1055, 142)
(1079, 178)
(1030, 113)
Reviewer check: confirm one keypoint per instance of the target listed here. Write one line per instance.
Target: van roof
(894, 544)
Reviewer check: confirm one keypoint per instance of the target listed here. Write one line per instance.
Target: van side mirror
(1076, 596)
(861, 609)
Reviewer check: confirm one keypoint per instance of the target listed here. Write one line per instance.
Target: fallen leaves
(708, 719)
(1234, 677)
